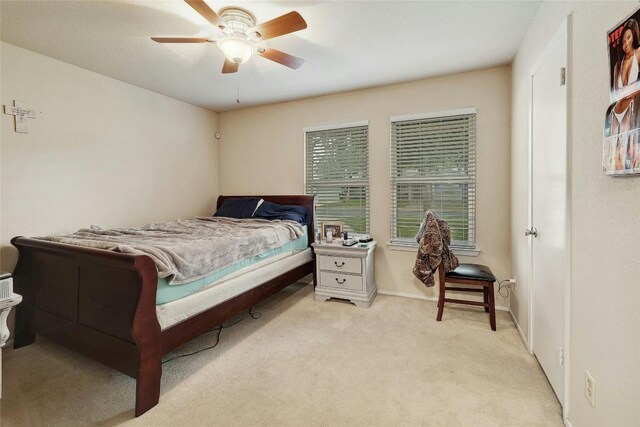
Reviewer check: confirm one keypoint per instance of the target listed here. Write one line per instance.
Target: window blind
(337, 171)
(433, 167)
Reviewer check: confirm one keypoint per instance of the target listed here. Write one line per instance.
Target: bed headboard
(308, 202)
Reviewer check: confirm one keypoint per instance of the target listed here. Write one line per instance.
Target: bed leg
(23, 332)
(148, 384)
(146, 332)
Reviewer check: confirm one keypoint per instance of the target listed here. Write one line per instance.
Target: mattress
(230, 286)
(167, 293)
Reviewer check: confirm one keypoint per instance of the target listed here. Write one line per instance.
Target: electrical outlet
(512, 280)
(590, 388)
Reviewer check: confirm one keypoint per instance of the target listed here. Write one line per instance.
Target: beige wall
(98, 152)
(605, 226)
(262, 151)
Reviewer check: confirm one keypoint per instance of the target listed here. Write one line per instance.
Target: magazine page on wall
(621, 144)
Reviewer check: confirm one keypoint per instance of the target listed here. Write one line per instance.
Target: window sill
(412, 247)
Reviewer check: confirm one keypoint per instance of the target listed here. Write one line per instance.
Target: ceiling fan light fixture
(236, 49)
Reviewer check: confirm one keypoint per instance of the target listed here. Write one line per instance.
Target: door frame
(563, 30)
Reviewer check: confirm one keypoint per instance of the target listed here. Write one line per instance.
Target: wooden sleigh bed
(102, 304)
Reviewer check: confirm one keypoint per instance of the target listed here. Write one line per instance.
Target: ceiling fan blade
(284, 24)
(207, 13)
(229, 67)
(180, 39)
(281, 57)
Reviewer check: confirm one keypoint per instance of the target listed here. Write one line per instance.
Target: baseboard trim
(522, 336)
(423, 297)
(567, 423)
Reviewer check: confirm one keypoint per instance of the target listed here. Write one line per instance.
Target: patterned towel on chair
(434, 239)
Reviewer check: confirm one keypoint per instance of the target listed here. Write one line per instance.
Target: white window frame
(332, 126)
(407, 244)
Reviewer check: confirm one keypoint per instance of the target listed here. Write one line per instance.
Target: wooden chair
(469, 274)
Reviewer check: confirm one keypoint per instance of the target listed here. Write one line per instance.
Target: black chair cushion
(472, 272)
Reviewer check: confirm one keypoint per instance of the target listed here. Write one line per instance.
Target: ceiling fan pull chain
(238, 92)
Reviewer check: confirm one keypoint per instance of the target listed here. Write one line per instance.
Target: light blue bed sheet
(167, 293)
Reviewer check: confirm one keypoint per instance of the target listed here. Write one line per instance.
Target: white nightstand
(345, 272)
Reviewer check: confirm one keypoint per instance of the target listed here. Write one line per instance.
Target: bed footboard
(100, 304)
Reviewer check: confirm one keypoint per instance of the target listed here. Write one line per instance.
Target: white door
(549, 209)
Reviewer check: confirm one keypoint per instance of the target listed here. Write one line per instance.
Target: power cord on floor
(505, 287)
(218, 330)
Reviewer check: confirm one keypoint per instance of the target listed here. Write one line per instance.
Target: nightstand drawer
(340, 264)
(340, 281)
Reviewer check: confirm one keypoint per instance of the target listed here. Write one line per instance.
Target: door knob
(531, 232)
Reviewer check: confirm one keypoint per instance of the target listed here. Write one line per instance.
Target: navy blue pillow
(238, 208)
(268, 210)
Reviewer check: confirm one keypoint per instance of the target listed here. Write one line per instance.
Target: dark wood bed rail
(101, 304)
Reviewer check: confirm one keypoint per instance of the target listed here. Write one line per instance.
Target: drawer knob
(341, 264)
(339, 282)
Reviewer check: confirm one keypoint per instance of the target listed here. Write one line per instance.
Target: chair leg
(441, 299)
(485, 290)
(492, 308)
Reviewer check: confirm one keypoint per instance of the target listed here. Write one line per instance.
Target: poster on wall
(621, 141)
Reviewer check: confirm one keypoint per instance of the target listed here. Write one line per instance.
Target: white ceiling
(348, 44)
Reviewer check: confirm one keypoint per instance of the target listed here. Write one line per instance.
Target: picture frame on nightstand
(335, 227)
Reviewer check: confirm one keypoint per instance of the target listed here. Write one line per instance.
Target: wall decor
(621, 141)
(20, 114)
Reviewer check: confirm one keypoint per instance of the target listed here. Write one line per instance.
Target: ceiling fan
(242, 36)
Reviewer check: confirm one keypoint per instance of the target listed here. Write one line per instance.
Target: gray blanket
(189, 249)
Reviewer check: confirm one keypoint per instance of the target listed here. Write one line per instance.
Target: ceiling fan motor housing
(238, 21)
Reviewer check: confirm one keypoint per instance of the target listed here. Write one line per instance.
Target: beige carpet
(305, 363)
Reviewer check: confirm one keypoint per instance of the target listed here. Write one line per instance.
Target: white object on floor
(6, 286)
(5, 308)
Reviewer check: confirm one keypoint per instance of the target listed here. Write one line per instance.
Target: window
(337, 171)
(433, 167)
